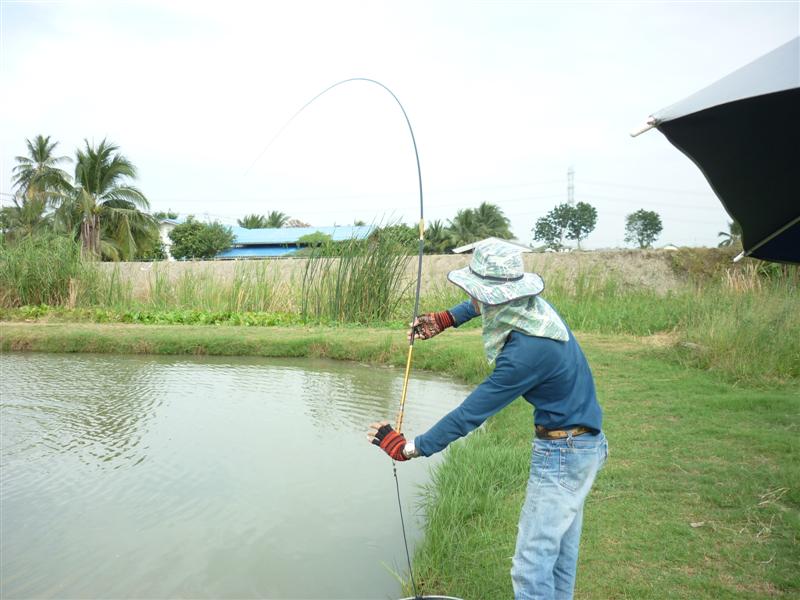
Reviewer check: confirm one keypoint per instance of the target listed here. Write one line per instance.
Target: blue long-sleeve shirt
(553, 376)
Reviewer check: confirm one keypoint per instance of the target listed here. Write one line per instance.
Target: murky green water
(165, 477)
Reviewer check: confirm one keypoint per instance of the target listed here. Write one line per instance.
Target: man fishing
(535, 356)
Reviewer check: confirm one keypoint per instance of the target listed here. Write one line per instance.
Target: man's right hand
(430, 324)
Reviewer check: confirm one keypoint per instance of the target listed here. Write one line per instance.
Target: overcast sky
(503, 97)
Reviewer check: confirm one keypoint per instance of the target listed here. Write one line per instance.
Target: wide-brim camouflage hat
(496, 275)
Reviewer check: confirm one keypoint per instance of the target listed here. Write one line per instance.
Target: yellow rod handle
(399, 427)
(400, 414)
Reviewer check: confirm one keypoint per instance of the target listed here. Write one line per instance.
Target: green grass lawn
(700, 497)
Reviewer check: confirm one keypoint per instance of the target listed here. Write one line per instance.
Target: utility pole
(571, 186)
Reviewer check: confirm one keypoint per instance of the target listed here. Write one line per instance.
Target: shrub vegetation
(193, 239)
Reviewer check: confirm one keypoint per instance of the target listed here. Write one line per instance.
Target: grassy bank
(362, 344)
(699, 498)
(749, 334)
(742, 321)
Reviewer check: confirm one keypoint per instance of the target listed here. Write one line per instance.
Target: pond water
(165, 477)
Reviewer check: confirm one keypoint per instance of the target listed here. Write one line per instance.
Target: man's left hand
(383, 435)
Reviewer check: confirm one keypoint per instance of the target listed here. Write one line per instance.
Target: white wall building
(164, 227)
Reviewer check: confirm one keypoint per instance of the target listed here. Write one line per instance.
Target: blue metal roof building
(266, 243)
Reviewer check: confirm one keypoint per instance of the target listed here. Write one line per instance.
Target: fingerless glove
(391, 442)
(431, 324)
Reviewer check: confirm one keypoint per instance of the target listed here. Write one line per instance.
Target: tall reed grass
(750, 332)
(358, 281)
(38, 270)
(255, 287)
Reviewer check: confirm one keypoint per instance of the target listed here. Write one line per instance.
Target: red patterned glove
(391, 442)
(431, 324)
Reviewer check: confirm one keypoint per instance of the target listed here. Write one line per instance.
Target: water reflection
(343, 401)
(99, 420)
(163, 477)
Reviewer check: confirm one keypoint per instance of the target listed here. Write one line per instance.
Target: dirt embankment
(661, 270)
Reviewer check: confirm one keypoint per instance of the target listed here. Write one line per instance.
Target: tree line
(98, 206)
(467, 226)
(564, 222)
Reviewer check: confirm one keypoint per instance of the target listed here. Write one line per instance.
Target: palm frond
(127, 193)
(109, 250)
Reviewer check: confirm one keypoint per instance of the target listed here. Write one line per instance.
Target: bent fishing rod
(411, 335)
(401, 411)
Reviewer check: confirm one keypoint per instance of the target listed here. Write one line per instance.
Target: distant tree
(160, 215)
(104, 200)
(126, 232)
(194, 239)
(553, 228)
(473, 224)
(547, 230)
(492, 222)
(156, 251)
(405, 236)
(253, 222)
(296, 223)
(565, 222)
(315, 239)
(277, 219)
(316, 244)
(39, 171)
(733, 237)
(437, 240)
(464, 228)
(27, 217)
(582, 222)
(642, 227)
(358, 223)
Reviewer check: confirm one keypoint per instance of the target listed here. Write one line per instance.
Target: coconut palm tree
(437, 239)
(464, 228)
(28, 216)
(126, 231)
(39, 173)
(277, 219)
(253, 221)
(731, 237)
(106, 203)
(492, 222)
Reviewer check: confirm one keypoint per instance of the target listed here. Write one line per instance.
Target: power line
(383, 194)
(366, 194)
(388, 208)
(651, 202)
(646, 188)
(617, 213)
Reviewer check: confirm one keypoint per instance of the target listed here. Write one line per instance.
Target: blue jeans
(562, 473)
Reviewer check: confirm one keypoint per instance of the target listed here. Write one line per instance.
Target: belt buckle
(550, 434)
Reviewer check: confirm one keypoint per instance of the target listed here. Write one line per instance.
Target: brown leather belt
(557, 434)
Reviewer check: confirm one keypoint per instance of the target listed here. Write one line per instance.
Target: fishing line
(401, 412)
